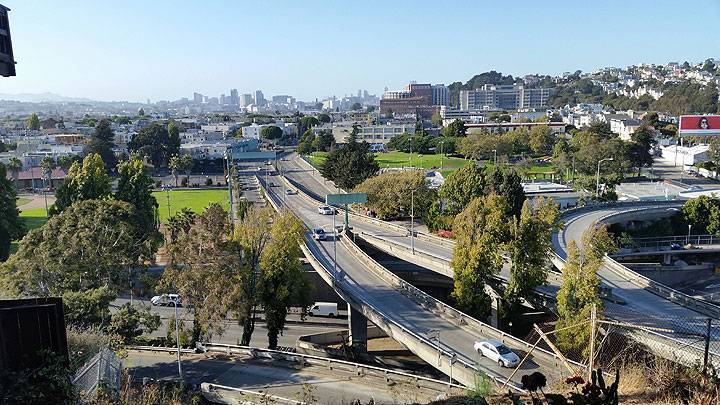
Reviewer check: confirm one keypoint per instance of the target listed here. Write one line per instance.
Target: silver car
(497, 352)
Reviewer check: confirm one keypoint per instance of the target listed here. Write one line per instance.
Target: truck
(324, 309)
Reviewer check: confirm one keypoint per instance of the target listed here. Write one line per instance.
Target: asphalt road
(292, 331)
(274, 378)
(366, 286)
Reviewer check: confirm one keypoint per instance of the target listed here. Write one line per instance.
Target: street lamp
(452, 360)
(167, 192)
(334, 244)
(437, 338)
(687, 242)
(177, 337)
(412, 220)
(597, 181)
(441, 155)
(494, 157)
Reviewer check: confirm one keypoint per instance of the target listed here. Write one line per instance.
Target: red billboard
(700, 125)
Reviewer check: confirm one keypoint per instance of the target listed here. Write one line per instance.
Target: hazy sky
(161, 49)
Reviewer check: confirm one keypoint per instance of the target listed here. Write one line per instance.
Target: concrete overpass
(639, 294)
(405, 313)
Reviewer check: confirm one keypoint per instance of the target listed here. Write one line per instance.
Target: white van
(323, 309)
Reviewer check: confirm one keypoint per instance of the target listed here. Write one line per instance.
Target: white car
(166, 300)
(318, 234)
(497, 352)
(325, 210)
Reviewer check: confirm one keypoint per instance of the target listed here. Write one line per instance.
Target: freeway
(391, 310)
(641, 306)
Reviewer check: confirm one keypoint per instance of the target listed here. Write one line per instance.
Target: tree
(11, 226)
(253, 236)
(350, 165)
(306, 123)
(461, 187)
(389, 194)
(271, 132)
(508, 184)
(129, 323)
(88, 308)
(530, 241)
(702, 213)
(580, 288)
(33, 122)
(484, 146)
(324, 118)
(135, 187)
(642, 140)
(90, 244)
(282, 282)
(356, 107)
(455, 128)
(15, 166)
(141, 112)
(479, 230)
(323, 141)
(173, 147)
(436, 119)
(174, 166)
(541, 140)
(204, 262)
(153, 141)
(88, 181)
(102, 142)
(186, 165)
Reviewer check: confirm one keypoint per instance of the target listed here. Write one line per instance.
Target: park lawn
(33, 217)
(403, 159)
(195, 200)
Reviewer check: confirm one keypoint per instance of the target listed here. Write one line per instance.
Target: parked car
(166, 300)
(497, 352)
(318, 234)
(323, 309)
(290, 192)
(325, 210)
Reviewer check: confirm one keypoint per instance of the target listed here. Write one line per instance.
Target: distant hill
(477, 81)
(41, 97)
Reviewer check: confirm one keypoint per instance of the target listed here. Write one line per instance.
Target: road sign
(344, 199)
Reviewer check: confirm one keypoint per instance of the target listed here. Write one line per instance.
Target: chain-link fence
(638, 345)
(103, 372)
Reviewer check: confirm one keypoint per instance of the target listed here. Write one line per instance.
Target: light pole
(177, 338)
(452, 360)
(334, 245)
(494, 157)
(597, 180)
(687, 242)
(167, 192)
(412, 221)
(441, 155)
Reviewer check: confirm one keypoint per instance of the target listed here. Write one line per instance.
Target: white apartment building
(504, 97)
(624, 127)
(253, 131)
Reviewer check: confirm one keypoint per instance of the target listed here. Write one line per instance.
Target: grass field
(33, 217)
(401, 159)
(196, 200)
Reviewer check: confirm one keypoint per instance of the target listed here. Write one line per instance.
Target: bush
(184, 182)
(209, 182)
(129, 323)
(185, 334)
(47, 384)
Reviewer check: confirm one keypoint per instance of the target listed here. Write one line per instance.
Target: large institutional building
(504, 97)
(420, 99)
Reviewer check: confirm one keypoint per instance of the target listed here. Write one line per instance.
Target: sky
(164, 50)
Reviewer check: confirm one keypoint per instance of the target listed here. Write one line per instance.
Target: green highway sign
(343, 199)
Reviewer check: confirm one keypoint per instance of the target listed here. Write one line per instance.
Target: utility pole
(441, 155)
(177, 338)
(593, 331)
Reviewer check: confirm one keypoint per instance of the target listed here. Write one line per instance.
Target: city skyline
(143, 52)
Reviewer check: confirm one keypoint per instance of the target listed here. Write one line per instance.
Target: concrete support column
(667, 259)
(494, 307)
(358, 330)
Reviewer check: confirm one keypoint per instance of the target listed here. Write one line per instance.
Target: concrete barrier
(434, 263)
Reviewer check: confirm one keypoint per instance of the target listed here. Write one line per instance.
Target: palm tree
(47, 164)
(174, 165)
(15, 166)
(186, 165)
